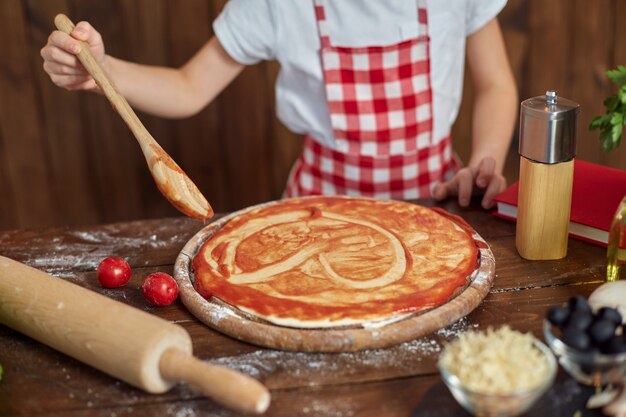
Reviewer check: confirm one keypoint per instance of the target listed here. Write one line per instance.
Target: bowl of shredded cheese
(499, 372)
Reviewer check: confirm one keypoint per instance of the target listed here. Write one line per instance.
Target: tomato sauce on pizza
(335, 261)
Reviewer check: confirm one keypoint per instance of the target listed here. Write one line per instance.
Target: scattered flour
(333, 409)
(83, 249)
(404, 359)
(178, 410)
(455, 329)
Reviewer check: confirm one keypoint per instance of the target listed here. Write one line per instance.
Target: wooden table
(399, 381)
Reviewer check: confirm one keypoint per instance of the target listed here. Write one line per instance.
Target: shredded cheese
(500, 361)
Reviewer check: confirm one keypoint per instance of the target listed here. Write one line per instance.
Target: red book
(596, 193)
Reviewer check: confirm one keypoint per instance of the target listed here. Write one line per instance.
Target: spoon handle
(64, 24)
(173, 183)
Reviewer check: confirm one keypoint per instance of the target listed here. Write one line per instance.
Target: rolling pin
(127, 343)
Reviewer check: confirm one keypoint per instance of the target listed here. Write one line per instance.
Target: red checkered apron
(380, 104)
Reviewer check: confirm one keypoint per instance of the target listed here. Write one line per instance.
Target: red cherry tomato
(160, 289)
(113, 272)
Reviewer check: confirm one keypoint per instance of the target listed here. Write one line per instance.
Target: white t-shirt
(286, 30)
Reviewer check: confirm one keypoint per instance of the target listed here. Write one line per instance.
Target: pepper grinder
(547, 147)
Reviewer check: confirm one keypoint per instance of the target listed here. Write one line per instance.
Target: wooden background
(67, 159)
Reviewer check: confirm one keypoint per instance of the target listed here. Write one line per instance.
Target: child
(373, 86)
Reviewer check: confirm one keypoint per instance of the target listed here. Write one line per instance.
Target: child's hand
(473, 180)
(60, 61)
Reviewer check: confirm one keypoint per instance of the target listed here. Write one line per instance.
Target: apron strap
(422, 18)
(322, 23)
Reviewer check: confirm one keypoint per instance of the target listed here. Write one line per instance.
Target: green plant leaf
(617, 119)
(622, 94)
(611, 103)
(1, 370)
(616, 134)
(605, 138)
(600, 122)
(611, 124)
(618, 75)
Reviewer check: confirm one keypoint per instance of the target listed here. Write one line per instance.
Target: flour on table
(81, 250)
(299, 365)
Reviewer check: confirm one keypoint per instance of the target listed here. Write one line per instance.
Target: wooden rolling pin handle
(235, 390)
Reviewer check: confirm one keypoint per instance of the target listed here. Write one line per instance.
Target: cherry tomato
(160, 289)
(113, 272)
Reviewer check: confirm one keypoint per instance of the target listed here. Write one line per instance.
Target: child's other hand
(61, 63)
(481, 179)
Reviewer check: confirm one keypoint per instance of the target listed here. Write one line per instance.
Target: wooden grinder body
(120, 340)
(544, 203)
(547, 148)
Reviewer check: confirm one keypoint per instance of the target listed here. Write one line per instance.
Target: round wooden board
(242, 326)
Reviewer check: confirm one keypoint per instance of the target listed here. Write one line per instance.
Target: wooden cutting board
(242, 326)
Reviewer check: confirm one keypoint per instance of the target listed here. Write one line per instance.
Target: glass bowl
(589, 368)
(500, 405)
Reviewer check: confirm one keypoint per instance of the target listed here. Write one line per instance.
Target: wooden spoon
(180, 191)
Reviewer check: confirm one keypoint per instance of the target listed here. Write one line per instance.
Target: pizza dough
(335, 261)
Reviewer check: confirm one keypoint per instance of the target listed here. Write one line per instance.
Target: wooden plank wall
(67, 159)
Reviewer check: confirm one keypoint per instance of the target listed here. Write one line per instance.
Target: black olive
(576, 338)
(615, 344)
(580, 319)
(579, 303)
(608, 313)
(601, 331)
(558, 315)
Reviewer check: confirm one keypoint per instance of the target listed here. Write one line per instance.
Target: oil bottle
(616, 250)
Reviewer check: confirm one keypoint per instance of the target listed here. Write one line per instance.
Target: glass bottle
(616, 251)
